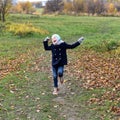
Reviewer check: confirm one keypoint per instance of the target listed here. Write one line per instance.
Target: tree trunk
(0, 15)
(3, 16)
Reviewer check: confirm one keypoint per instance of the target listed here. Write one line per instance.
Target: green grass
(25, 92)
(99, 30)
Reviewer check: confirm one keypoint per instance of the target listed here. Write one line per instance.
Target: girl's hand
(47, 39)
(80, 39)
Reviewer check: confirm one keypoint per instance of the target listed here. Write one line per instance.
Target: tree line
(89, 7)
(74, 7)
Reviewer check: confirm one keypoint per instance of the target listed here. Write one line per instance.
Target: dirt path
(68, 109)
(39, 100)
(68, 104)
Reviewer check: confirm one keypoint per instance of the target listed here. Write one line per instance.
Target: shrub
(23, 30)
(104, 45)
(112, 45)
(2, 27)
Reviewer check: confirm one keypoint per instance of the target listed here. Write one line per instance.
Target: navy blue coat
(59, 55)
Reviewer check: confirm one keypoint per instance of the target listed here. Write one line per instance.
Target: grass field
(26, 83)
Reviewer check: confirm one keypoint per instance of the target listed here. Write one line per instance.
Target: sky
(31, 0)
(43, 1)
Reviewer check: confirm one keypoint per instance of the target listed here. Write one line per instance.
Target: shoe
(55, 91)
(61, 80)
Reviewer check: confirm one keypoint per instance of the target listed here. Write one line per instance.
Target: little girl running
(59, 57)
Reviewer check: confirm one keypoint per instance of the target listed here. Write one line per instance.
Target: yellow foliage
(24, 7)
(117, 51)
(68, 7)
(25, 29)
(111, 8)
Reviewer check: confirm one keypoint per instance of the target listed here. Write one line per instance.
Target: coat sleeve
(46, 47)
(71, 46)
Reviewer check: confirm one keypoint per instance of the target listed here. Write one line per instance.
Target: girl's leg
(60, 73)
(55, 78)
(57, 71)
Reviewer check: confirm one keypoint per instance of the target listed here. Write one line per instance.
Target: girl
(59, 57)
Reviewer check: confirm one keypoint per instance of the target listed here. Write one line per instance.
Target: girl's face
(54, 40)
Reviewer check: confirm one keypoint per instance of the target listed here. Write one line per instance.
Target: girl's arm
(71, 46)
(45, 43)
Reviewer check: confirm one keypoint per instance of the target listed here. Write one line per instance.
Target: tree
(90, 7)
(54, 6)
(111, 8)
(118, 6)
(95, 6)
(24, 7)
(78, 5)
(99, 6)
(68, 7)
(4, 8)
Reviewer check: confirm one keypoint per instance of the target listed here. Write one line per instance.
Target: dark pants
(57, 72)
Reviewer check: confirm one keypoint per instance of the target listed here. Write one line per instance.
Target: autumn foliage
(23, 7)
(8, 66)
(84, 7)
(99, 71)
(25, 29)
